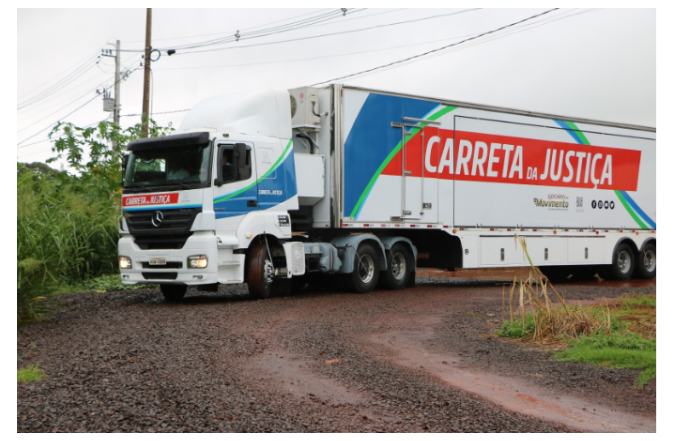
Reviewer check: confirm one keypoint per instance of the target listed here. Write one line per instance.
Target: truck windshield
(186, 168)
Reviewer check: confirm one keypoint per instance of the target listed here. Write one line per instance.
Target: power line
(156, 113)
(49, 140)
(507, 33)
(414, 57)
(330, 34)
(314, 21)
(318, 57)
(61, 108)
(222, 33)
(324, 16)
(51, 125)
(78, 86)
(96, 96)
(55, 76)
(61, 83)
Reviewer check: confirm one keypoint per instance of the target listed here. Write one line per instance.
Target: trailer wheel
(623, 263)
(260, 273)
(400, 266)
(173, 293)
(645, 267)
(366, 270)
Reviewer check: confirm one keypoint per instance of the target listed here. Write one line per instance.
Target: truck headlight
(197, 261)
(125, 262)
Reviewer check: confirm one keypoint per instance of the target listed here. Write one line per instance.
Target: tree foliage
(104, 144)
(67, 227)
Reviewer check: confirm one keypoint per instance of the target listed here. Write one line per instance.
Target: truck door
(419, 186)
(235, 191)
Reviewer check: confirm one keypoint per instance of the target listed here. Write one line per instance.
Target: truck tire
(400, 267)
(260, 273)
(366, 270)
(173, 293)
(645, 266)
(623, 263)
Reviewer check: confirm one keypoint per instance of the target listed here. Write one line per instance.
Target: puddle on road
(512, 393)
(291, 374)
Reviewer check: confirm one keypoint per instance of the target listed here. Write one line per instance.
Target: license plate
(158, 261)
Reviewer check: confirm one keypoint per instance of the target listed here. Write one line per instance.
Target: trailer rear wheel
(260, 273)
(400, 266)
(366, 270)
(623, 263)
(173, 293)
(645, 267)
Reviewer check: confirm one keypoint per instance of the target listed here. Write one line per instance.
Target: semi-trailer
(274, 187)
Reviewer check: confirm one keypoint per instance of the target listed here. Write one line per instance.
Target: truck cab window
(233, 169)
(168, 167)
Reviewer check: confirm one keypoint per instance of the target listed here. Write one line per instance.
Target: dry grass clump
(546, 323)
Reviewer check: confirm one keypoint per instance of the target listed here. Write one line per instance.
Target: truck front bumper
(176, 270)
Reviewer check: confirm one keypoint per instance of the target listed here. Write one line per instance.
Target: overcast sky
(590, 63)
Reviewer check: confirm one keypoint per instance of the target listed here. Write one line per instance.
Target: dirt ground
(423, 359)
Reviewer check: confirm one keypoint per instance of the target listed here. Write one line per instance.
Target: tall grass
(591, 334)
(64, 235)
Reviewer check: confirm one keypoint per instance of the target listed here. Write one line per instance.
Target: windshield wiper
(136, 184)
(179, 183)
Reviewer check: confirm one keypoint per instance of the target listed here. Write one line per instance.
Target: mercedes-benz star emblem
(157, 218)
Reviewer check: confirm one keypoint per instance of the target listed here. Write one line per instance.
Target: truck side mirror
(125, 161)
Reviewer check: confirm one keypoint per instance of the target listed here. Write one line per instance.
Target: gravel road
(423, 359)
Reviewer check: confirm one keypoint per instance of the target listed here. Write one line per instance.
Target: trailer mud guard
(347, 246)
(391, 241)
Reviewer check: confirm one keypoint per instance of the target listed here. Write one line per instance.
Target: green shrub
(62, 236)
(619, 351)
(30, 373)
(67, 228)
(516, 329)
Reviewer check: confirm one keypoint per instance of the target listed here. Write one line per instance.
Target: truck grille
(161, 229)
(159, 276)
(169, 265)
(161, 243)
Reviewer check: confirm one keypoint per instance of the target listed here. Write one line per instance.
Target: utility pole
(116, 105)
(146, 77)
(116, 109)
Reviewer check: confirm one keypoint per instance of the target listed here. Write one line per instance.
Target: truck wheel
(400, 266)
(260, 273)
(645, 267)
(366, 270)
(623, 263)
(173, 293)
